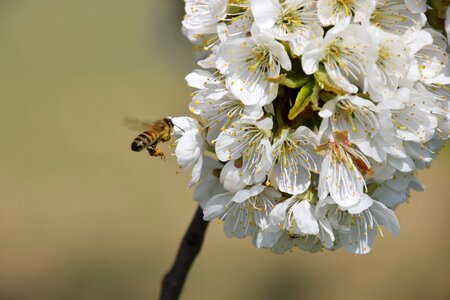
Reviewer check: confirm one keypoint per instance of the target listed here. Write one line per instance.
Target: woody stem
(191, 244)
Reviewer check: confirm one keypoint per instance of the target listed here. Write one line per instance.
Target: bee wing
(135, 124)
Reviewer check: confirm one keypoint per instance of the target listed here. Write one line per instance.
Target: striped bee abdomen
(143, 141)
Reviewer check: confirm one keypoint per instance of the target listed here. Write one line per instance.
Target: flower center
(347, 111)
(289, 20)
(261, 60)
(342, 151)
(283, 150)
(334, 54)
(388, 15)
(383, 56)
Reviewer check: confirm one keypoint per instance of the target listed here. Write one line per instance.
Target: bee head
(169, 122)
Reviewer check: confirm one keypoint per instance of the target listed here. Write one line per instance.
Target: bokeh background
(84, 218)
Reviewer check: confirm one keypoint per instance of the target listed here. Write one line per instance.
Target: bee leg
(165, 138)
(156, 152)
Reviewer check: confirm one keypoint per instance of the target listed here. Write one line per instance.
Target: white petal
(198, 78)
(305, 218)
(196, 171)
(326, 233)
(243, 195)
(265, 12)
(184, 124)
(364, 204)
(216, 206)
(328, 108)
(230, 177)
(311, 56)
(386, 217)
(267, 238)
(292, 181)
(188, 149)
(278, 213)
(279, 52)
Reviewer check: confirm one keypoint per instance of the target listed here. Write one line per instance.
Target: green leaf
(307, 94)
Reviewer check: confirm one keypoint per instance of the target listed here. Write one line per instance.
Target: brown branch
(191, 244)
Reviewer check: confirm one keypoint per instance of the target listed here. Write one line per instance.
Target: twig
(191, 244)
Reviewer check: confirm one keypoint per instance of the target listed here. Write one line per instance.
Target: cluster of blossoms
(312, 116)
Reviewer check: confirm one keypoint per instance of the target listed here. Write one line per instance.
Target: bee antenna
(170, 119)
(179, 128)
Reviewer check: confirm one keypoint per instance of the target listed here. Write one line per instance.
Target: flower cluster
(312, 116)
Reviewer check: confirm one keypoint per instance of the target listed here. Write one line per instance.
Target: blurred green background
(84, 218)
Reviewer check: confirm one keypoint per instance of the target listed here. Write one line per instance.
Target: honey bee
(154, 132)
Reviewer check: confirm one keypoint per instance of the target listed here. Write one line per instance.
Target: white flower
(294, 21)
(341, 175)
(356, 229)
(364, 226)
(189, 146)
(420, 41)
(416, 121)
(394, 17)
(297, 216)
(295, 159)
(391, 65)
(239, 27)
(432, 58)
(353, 114)
(218, 107)
(318, 137)
(244, 212)
(248, 140)
(438, 95)
(434, 100)
(248, 62)
(414, 114)
(203, 16)
(369, 127)
(333, 11)
(345, 52)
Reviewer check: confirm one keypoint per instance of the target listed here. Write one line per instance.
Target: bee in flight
(154, 132)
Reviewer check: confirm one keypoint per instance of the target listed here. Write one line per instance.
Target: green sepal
(291, 80)
(309, 93)
(311, 196)
(371, 188)
(325, 82)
